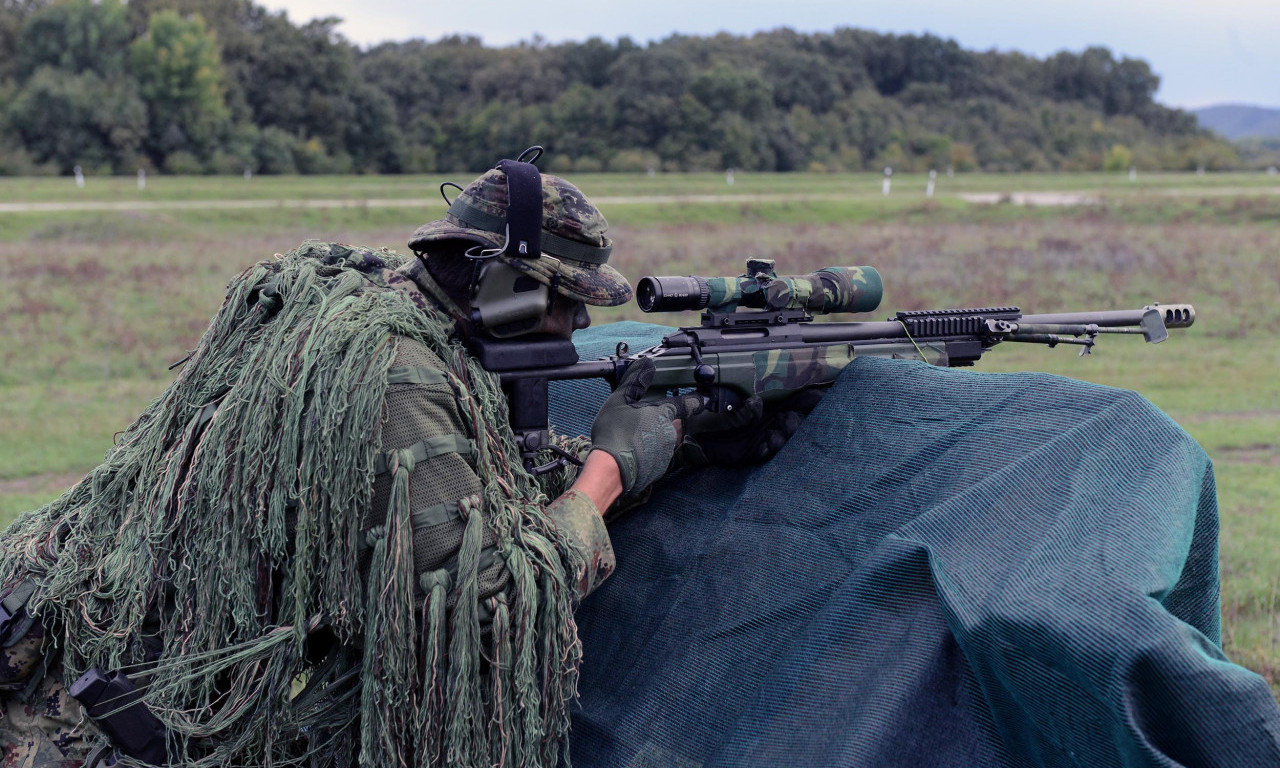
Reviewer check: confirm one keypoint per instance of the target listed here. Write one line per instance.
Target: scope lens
(647, 293)
(671, 294)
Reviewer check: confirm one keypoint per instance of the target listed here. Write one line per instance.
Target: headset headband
(524, 209)
(522, 226)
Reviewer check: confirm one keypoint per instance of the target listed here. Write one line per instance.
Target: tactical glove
(752, 434)
(640, 434)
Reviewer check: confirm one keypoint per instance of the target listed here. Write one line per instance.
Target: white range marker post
(884, 187)
(142, 179)
(248, 173)
(1200, 170)
(1133, 173)
(933, 179)
(728, 177)
(79, 177)
(951, 171)
(1272, 171)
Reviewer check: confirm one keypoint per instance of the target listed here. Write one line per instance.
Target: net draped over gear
(942, 568)
(222, 534)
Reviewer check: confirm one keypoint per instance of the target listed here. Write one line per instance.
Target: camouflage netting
(942, 568)
(213, 555)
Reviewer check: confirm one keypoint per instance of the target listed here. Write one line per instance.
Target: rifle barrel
(1174, 315)
(825, 333)
(586, 369)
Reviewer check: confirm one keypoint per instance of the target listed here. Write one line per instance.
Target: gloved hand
(752, 434)
(640, 434)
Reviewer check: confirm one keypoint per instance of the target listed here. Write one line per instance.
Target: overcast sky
(1206, 51)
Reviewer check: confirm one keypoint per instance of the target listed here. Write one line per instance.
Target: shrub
(1118, 158)
(228, 163)
(274, 151)
(183, 163)
(559, 163)
(16, 161)
(634, 161)
(420, 159)
(963, 157)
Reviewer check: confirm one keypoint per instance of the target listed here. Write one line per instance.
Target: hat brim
(599, 285)
(445, 229)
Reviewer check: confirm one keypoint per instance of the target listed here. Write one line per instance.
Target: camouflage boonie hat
(575, 250)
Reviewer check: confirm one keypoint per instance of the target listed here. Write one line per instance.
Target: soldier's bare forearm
(600, 479)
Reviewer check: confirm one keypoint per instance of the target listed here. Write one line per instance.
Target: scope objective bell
(672, 294)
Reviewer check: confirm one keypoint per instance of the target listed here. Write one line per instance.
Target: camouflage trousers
(41, 726)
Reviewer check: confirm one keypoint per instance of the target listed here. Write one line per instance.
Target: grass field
(97, 304)
(164, 188)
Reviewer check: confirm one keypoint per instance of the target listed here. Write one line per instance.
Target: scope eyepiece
(672, 294)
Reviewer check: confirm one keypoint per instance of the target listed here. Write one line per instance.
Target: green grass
(96, 305)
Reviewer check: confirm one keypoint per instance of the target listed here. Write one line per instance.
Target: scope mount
(755, 318)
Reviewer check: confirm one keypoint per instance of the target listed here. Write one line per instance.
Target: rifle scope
(833, 289)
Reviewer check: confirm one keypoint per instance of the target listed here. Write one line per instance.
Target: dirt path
(51, 482)
(1032, 198)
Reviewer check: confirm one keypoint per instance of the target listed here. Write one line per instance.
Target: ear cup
(507, 302)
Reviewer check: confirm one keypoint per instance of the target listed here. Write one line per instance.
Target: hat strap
(555, 245)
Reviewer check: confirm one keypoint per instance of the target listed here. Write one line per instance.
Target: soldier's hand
(641, 435)
(752, 434)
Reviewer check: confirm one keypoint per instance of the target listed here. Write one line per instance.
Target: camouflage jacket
(421, 408)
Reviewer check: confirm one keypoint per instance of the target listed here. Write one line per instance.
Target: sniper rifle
(758, 337)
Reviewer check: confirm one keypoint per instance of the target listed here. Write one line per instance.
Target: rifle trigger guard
(563, 459)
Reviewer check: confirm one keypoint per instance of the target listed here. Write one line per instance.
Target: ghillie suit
(215, 554)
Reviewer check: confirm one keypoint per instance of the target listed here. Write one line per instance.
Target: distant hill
(1239, 121)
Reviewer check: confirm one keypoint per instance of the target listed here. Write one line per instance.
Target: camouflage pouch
(15, 619)
(20, 660)
(21, 638)
(43, 727)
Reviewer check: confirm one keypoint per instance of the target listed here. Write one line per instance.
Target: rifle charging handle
(703, 375)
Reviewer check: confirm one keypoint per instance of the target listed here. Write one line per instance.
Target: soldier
(460, 647)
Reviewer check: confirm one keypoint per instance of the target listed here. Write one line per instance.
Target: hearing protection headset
(506, 302)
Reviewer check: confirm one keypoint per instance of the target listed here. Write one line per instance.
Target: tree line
(220, 86)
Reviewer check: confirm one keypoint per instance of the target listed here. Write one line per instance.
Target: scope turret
(833, 289)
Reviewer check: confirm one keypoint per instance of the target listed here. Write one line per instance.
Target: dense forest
(218, 86)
